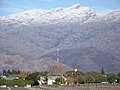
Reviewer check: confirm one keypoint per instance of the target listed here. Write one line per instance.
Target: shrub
(20, 82)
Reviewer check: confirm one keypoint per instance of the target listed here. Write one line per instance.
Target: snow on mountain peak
(57, 9)
(115, 12)
(76, 6)
(57, 15)
(113, 16)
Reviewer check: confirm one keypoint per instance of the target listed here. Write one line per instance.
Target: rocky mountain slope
(36, 33)
(14, 61)
(87, 59)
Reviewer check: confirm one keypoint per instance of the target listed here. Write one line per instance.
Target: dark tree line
(8, 72)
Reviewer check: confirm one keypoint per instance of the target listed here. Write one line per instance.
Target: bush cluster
(18, 82)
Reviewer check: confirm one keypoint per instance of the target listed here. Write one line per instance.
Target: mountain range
(83, 36)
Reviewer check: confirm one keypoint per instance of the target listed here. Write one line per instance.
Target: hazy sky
(14, 6)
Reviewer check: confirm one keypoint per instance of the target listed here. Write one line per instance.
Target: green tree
(118, 74)
(59, 80)
(74, 74)
(81, 79)
(14, 82)
(8, 71)
(77, 76)
(4, 72)
(37, 76)
(100, 78)
(13, 71)
(89, 79)
(34, 77)
(102, 71)
(18, 71)
(44, 76)
(111, 78)
(118, 77)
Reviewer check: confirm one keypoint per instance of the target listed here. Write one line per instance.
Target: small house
(51, 79)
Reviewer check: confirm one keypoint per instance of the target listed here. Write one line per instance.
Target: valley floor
(80, 87)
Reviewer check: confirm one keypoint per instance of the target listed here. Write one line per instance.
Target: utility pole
(58, 55)
(59, 65)
(76, 76)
